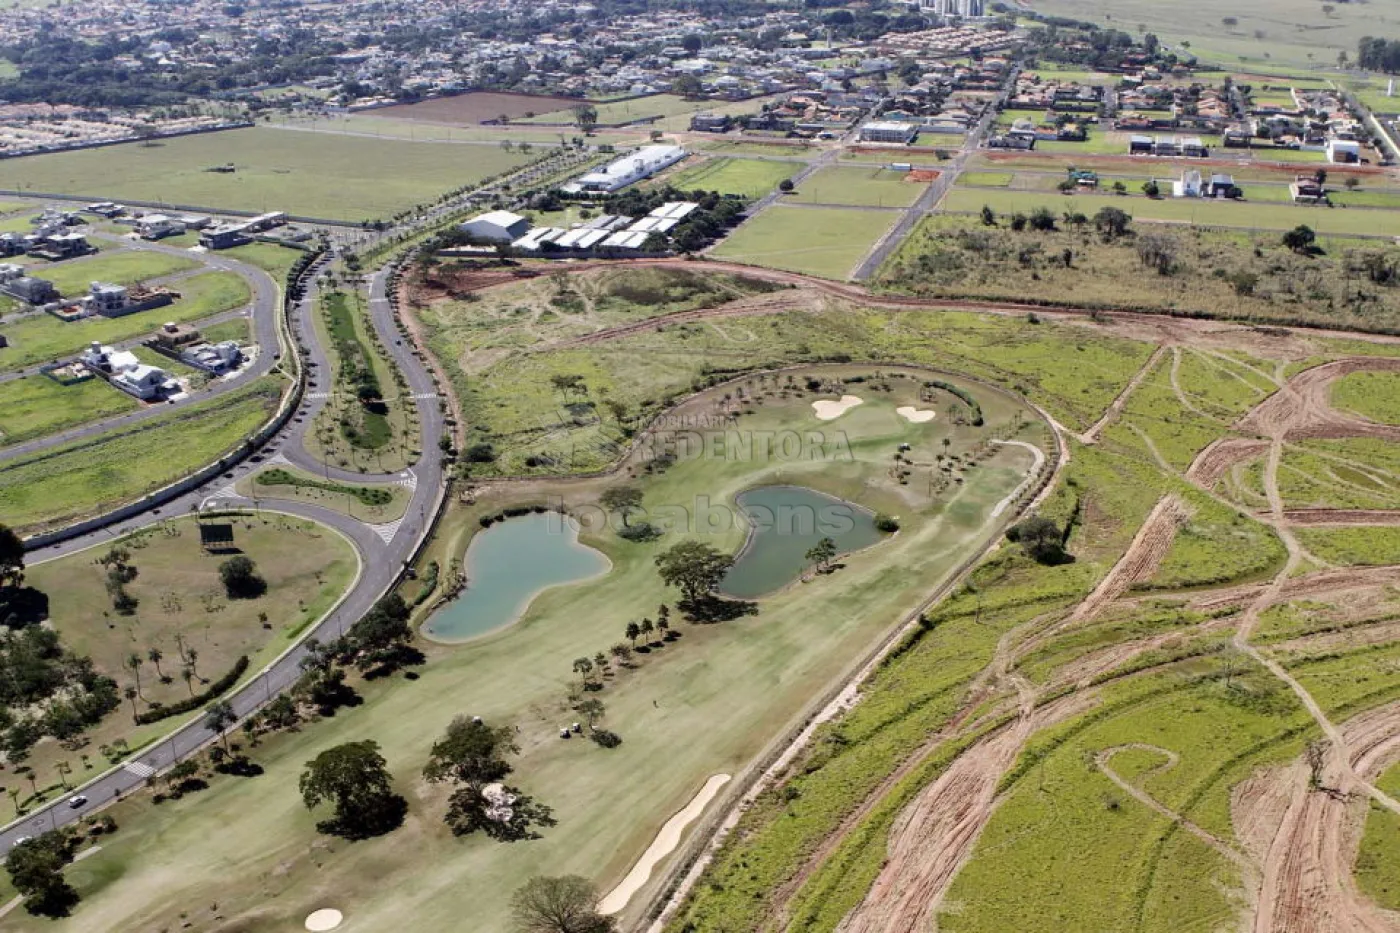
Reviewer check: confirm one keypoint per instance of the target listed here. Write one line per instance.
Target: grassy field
(125, 267)
(315, 174)
(1192, 211)
(381, 125)
(306, 566)
(828, 242)
(626, 111)
(749, 147)
(1375, 396)
(87, 476)
(43, 337)
(751, 178)
(760, 671)
(37, 405)
(986, 179)
(857, 187)
(1378, 860)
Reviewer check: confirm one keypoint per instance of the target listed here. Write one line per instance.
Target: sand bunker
(827, 410)
(916, 415)
(665, 841)
(324, 919)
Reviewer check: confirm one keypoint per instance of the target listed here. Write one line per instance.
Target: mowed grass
(1190, 210)
(1378, 858)
(858, 187)
(337, 177)
(95, 474)
(306, 566)
(42, 337)
(124, 267)
(625, 111)
(37, 405)
(827, 242)
(1375, 396)
(985, 179)
(750, 178)
(702, 705)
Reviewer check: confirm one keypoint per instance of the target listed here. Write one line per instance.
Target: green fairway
(85, 477)
(42, 337)
(1187, 210)
(37, 405)
(315, 174)
(750, 178)
(123, 267)
(702, 704)
(829, 242)
(848, 185)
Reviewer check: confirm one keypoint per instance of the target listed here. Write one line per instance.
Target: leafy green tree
(11, 558)
(240, 578)
(558, 905)
(36, 870)
(634, 631)
(472, 756)
(622, 500)
(584, 668)
(821, 554)
(354, 778)
(1111, 222)
(218, 718)
(471, 752)
(1041, 539)
(696, 568)
(989, 216)
(1300, 239)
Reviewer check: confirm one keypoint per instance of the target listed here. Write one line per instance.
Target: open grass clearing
(985, 179)
(750, 178)
(42, 337)
(848, 185)
(1378, 857)
(37, 405)
(338, 177)
(124, 267)
(626, 111)
(749, 147)
(827, 242)
(89, 476)
(759, 670)
(1375, 396)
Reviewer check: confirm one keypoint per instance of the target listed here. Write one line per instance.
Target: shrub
(156, 714)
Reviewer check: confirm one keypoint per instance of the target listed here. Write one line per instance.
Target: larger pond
(507, 566)
(784, 523)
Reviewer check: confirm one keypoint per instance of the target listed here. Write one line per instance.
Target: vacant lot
(476, 107)
(625, 111)
(123, 267)
(858, 187)
(750, 178)
(319, 175)
(37, 405)
(829, 242)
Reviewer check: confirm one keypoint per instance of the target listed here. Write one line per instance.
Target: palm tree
(14, 798)
(647, 629)
(130, 694)
(25, 771)
(154, 656)
(187, 674)
(600, 661)
(193, 657)
(583, 667)
(218, 718)
(633, 631)
(133, 662)
(663, 613)
(64, 769)
(663, 627)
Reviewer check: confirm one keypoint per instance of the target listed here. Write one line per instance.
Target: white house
(156, 226)
(1343, 150)
(628, 169)
(1188, 186)
(145, 382)
(216, 358)
(108, 360)
(889, 132)
(497, 226)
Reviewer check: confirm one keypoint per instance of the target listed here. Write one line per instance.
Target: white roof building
(497, 226)
(628, 169)
(144, 382)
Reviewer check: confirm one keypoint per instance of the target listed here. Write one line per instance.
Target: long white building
(628, 169)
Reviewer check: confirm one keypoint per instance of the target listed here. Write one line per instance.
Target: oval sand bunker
(827, 410)
(324, 919)
(916, 415)
(662, 846)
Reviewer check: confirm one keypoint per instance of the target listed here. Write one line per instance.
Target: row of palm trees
(592, 670)
(189, 670)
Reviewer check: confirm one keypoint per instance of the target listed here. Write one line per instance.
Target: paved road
(381, 562)
(263, 310)
(886, 246)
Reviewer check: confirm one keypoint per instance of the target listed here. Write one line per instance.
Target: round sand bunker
(828, 410)
(916, 415)
(326, 918)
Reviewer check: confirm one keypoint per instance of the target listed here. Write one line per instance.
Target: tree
(354, 778)
(693, 43)
(155, 656)
(786, 186)
(36, 870)
(471, 752)
(593, 709)
(821, 554)
(693, 566)
(133, 663)
(1316, 755)
(687, 86)
(11, 559)
(586, 116)
(218, 718)
(989, 216)
(1300, 239)
(1151, 188)
(584, 668)
(130, 694)
(1041, 539)
(1157, 251)
(622, 652)
(240, 578)
(472, 756)
(647, 629)
(634, 632)
(1043, 219)
(558, 905)
(187, 675)
(1112, 222)
(623, 500)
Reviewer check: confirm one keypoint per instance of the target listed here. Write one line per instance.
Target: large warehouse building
(628, 169)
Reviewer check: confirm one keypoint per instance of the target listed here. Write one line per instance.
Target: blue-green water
(507, 566)
(785, 522)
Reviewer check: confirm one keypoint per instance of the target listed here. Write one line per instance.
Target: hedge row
(157, 713)
(962, 394)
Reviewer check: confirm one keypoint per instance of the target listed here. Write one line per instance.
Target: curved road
(383, 552)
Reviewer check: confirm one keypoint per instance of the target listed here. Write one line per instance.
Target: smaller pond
(784, 523)
(507, 566)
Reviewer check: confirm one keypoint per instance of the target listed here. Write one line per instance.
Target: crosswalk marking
(387, 530)
(139, 768)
